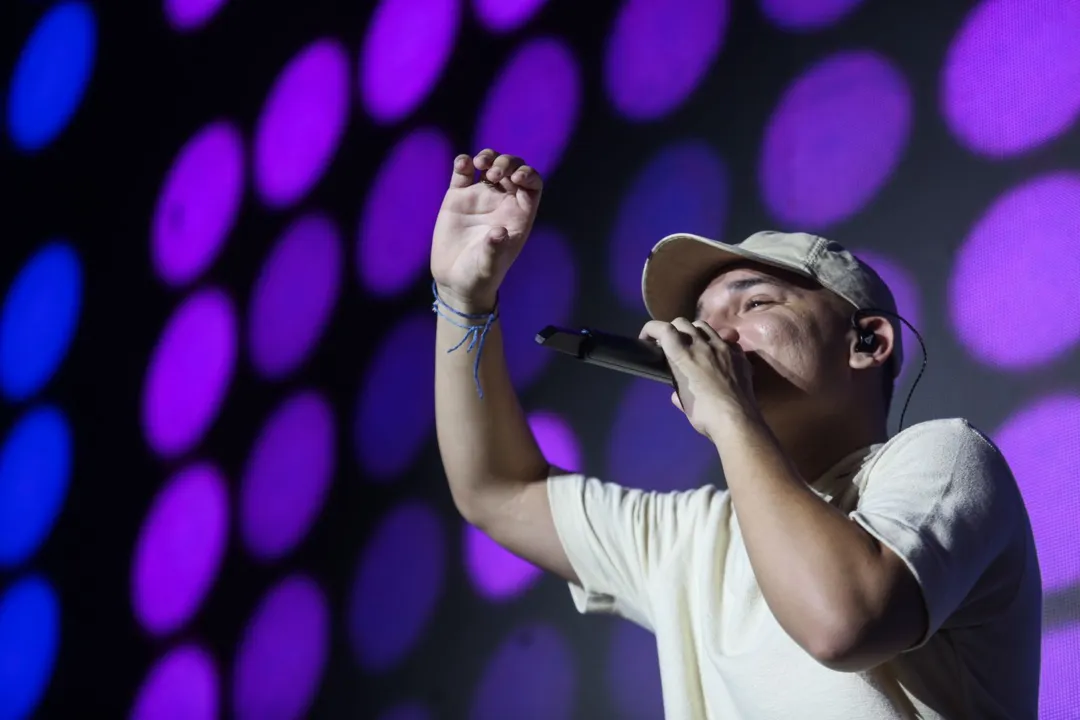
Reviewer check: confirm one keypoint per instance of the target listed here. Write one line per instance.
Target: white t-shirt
(939, 494)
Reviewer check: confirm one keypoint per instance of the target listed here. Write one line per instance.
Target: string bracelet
(475, 325)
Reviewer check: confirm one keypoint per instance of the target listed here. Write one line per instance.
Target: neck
(815, 445)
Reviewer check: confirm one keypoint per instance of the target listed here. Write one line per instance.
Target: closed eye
(756, 303)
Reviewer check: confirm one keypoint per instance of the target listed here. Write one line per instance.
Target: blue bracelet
(474, 333)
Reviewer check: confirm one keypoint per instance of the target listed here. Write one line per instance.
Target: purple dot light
(503, 16)
(188, 15)
(395, 412)
(693, 198)
(1042, 444)
(394, 241)
(906, 292)
(397, 586)
(654, 447)
(302, 123)
(405, 50)
(199, 203)
(805, 15)
(183, 684)
(633, 676)
(659, 51)
(1059, 691)
(189, 372)
(542, 85)
(496, 573)
(846, 119)
(180, 549)
(527, 303)
(1009, 82)
(531, 675)
(295, 295)
(1016, 263)
(280, 661)
(287, 476)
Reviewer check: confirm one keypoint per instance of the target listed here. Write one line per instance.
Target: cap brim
(680, 265)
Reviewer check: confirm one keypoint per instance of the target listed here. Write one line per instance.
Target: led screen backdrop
(220, 494)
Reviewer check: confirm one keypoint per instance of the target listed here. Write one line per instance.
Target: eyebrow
(738, 286)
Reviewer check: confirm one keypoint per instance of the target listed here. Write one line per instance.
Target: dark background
(152, 88)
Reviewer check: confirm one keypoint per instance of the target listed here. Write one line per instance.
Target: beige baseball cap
(680, 265)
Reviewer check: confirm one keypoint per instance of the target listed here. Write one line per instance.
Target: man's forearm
(486, 444)
(815, 567)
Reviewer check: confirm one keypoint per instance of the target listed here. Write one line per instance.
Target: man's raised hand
(482, 226)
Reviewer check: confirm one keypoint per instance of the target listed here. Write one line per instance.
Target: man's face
(793, 331)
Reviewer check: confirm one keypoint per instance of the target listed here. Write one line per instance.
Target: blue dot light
(29, 636)
(35, 466)
(38, 320)
(51, 75)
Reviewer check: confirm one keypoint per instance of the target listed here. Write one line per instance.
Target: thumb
(495, 245)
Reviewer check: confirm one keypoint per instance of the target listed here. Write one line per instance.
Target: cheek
(783, 343)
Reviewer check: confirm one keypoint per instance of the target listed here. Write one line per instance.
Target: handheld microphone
(633, 356)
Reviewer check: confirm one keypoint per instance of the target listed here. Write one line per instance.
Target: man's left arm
(849, 599)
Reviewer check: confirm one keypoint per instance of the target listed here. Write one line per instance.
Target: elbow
(840, 646)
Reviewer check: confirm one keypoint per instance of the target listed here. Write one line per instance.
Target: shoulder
(950, 441)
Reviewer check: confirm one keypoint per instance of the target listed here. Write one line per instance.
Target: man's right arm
(496, 471)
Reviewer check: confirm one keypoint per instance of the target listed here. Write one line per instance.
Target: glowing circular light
(397, 586)
(905, 291)
(35, 468)
(496, 573)
(29, 639)
(183, 684)
(387, 442)
(188, 15)
(180, 549)
(199, 203)
(532, 674)
(846, 119)
(633, 676)
(659, 51)
(527, 303)
(394, 241)
(1012, 267)
(294, 296)
(405, 50)
(413, 710)
(287, 476)
(541, 83)
(280, 662)
(38, 321)
(1059, 689)
(693, 198)
(1009, 81)
(803, 15)
(1042, 444)
(653, 447)
(502, 16)
(189, 372)
(51, 75)
(301, 123)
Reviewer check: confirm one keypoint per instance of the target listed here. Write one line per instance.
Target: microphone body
(633, 356)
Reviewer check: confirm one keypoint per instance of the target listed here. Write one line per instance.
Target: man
(843, 574)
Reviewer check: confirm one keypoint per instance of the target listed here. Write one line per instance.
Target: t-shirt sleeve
(942, 497)
(617, 538)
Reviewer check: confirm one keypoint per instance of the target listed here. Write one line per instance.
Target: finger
(464, 172)
(666, 335)
(484, 159)
(727, 335)
(503, 167)
(690, 329)
(527, 178)
(676, 401)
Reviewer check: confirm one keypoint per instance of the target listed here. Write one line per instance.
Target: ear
(862, 359)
